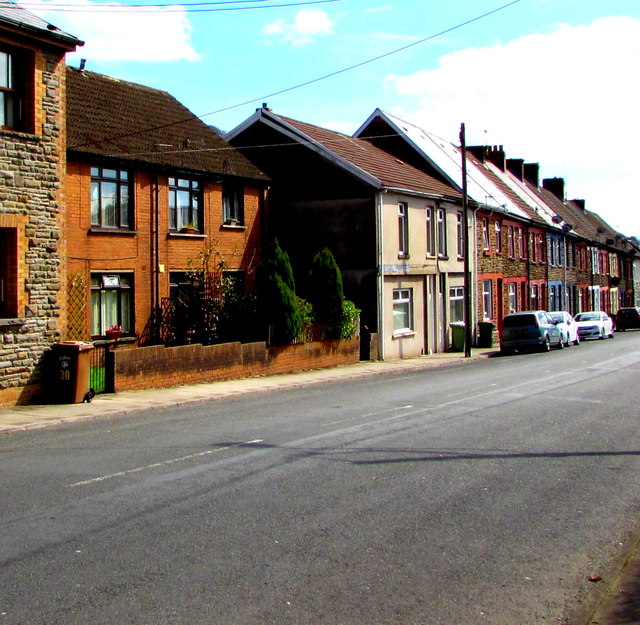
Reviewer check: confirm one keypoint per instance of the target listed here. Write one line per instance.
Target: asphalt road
(487, 493)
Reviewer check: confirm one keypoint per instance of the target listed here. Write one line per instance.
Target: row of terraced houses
(109, 189)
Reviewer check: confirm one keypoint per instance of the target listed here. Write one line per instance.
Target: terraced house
(396, 232)
(32, 197)
(534, 249)
(153, 193)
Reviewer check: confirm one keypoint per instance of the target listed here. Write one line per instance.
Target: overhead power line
(311, 81)
(198, 7)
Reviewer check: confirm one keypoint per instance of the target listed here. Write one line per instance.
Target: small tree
(275, 296)
(325, 291)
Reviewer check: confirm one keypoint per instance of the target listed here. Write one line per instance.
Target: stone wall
(31, 197)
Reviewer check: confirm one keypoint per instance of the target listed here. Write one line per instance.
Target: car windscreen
(556, 316)
(518, 321)
(587, 317)
(628, 312)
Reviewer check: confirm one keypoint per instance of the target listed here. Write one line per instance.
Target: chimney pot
(555, 185)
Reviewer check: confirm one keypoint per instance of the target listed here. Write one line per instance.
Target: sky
(553, 81)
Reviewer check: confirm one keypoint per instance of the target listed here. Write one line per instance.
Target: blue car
(529, 330)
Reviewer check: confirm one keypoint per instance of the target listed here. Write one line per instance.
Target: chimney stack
(516, 167)
(532, 174)
(555, 185)
(495, 155)
(581, 204)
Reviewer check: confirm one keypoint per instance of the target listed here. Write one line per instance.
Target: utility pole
(467, 260)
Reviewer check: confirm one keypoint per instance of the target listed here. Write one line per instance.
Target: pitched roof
(13, 15)
(375, 166)
(108, 117)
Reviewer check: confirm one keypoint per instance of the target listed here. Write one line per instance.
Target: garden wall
(158, 366)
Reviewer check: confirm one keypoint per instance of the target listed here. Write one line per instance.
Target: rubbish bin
(457, 336)
(71, 366)
(485, 333)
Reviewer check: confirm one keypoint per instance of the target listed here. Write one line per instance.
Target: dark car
(529, 330)
(627, 318)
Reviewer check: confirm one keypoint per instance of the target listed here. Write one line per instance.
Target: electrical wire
(168, 8)
(308, 82)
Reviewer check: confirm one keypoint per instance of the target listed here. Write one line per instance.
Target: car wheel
(547, 344)
(611, 335)
(577, 341)
(601, 337)
(506, 351)
(567, 342)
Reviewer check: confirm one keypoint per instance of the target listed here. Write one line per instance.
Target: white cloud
(126, 34)
(567, 100)
(306, 27)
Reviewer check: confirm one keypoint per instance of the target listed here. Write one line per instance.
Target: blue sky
(554, 81)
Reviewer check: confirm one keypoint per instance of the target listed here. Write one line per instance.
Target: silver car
(567, 326)
(594, 324)
(529, 330)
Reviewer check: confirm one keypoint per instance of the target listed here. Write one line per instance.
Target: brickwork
(161, 367)
(132, 250)
(31, 201)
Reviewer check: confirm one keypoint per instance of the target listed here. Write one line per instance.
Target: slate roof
(108, 117)
(379, 167)
(11, 14)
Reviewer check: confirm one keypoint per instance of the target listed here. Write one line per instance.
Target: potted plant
(190, 228)
(114, 332)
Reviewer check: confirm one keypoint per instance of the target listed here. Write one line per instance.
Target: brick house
(150, 187)
(394, 230)
(32, 165)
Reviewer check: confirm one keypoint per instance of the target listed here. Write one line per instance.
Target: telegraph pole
(467, 260)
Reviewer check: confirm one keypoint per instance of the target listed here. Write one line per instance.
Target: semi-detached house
(150, 187)
(396, 232)
(32, 169)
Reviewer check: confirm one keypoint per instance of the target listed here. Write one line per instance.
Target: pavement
(33, 416)
(617, 602)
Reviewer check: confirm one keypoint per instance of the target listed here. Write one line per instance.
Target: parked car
(594, 324)
(627, 318)
(527, 330)
(567, 326)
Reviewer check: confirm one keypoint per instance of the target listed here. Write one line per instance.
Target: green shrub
(350, 319)
(325, 291)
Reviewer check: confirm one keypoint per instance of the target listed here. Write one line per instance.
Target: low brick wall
(159, 367)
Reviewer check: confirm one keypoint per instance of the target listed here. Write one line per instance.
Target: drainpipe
(156, 269)
(381, 295)
(467, 260)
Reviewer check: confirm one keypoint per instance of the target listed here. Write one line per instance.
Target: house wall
(32, 191)
(101, 250)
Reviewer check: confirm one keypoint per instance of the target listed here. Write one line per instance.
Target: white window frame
(487, 299)
(402, 311)
(403, 229)
(456, 304)
(441, 217)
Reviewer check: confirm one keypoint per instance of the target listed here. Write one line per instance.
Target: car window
(587, 317)
(519, 321)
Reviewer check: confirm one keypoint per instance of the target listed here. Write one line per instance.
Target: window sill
(403, 256)
(117, 231)
(443, 257)
(186, 235)
(105, 341)
(403, 334)
(11, 322)
(231, 226)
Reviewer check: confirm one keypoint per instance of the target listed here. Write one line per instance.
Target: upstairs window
(485, 233)
(12, 87)
(460, 233)
(110, 198)
(233, 204)
(430, 232)
(512, 242)
(498, 227)
(185, 201)
(442, 233)
(403, 229)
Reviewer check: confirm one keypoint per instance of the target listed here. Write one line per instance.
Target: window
(512, 242)
(110, 198)
(11, 100)
(402, 310)
(111, 303)
(535, 295)
(8, 272)
(513, 297)
(460, 233)
(403, 229)
(522, 245)
(184, 204)
(456, 304)
(233, 204)
(442, 233)
(431, 233)
(485, 234)
(498, 227)
(487, 299)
